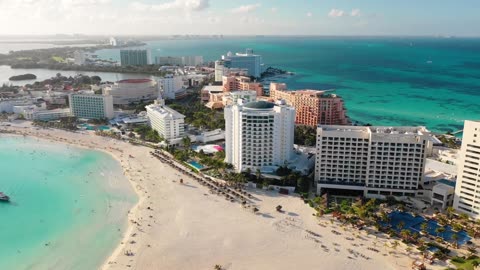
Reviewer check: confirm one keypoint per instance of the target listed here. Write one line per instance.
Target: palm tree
(401, 225)
(405, 234)
(424, 227)
(258, 174)
(450, 211)
(439, 230)
(455, 238)
(187, 142)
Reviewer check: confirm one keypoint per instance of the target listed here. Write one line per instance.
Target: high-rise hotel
(90, 106)
(467, 189)
(371, 161)
(258, 135)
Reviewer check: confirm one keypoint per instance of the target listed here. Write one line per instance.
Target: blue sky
(240, 17)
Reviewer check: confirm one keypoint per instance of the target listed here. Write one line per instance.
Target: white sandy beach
(184, 226)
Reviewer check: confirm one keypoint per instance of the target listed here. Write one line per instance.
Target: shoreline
(172, 224)
(131, 212)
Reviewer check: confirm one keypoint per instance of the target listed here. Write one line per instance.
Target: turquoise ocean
(68, 205)
(433, 82)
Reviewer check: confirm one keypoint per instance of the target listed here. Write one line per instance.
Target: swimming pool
(195, 165)
(414, 224)
(90, 127)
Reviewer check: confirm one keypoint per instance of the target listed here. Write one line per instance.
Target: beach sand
(184, 226)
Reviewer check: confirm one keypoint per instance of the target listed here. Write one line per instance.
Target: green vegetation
(8, 88)
(200, 116)
(148, 134)
(449, 141)
(305, 135)
(68, 123)
(468, 263)
(58, 59)
(22, 77)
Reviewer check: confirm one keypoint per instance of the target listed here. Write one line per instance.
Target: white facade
(375, 161)
(219, 70)
(169, 123)
(467, 189)
(132, 91)
(47, 115)
(91, 106)
(171, 86)
(79, 58)
(252, 62)
(113, 42)
(239, 96)
(258, 135)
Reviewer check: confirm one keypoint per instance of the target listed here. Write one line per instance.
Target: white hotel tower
(467, 188)
(371, 161)
(258, 135)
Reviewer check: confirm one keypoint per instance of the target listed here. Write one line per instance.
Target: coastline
(85, 144)
(172, 224)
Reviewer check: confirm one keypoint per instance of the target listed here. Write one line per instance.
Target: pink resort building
(313, 107)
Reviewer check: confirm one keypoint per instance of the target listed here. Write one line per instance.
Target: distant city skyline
(255, 17)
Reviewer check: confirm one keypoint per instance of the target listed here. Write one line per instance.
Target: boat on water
(4, 197)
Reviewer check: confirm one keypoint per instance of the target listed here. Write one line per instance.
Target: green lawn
(58, 59)
(465, 264)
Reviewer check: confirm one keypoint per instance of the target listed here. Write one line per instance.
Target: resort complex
(284, 173)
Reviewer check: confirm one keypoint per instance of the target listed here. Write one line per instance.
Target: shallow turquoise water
(67, 205)
(385, 81)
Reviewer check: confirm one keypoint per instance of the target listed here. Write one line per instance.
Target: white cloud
(274, 10)
(335, 13)
(309, 14)
(355, 12)
(246, 8)
(187, 5)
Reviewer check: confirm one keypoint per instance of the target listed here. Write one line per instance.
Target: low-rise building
(172, 87)
(47, 115)
(91, 106)
(132, 91)
(241, 83)
(443, 193)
